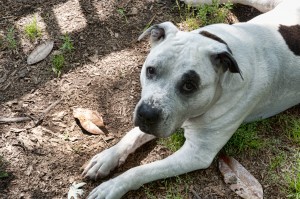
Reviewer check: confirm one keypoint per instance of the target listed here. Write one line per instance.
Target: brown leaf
(239, 179)
(89, 120)
(40, 53)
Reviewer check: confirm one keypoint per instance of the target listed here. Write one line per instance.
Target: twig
(195, 193)
(4, 120)
(45, 112)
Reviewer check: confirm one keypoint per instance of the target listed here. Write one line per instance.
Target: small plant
(10, 39)
(175, 141)
(3, 173)
(67, 45)
(121, 11)
(58, 62)
(243, 139)
(32, 30)
(210, 14)
(204, 15)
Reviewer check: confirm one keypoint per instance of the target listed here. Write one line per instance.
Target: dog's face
(179, 80)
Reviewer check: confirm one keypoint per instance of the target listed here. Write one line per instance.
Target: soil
(43, 159)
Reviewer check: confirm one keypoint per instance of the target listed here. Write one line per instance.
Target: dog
(208, 81)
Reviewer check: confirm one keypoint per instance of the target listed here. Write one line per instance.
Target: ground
(102, 73)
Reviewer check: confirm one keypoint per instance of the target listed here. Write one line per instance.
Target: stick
(195, 193)
(45, 112)
(4, 120)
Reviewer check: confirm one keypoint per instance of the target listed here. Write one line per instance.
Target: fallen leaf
(239, 179)
(40, 52)
(75, 190)
(93, 116)
(89, 120)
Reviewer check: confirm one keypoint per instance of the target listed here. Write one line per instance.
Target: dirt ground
(102, 74)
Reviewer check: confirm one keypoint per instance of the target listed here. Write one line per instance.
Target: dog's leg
(101, 164)
(197, 153)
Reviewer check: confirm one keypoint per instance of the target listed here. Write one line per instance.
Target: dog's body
(208, 81)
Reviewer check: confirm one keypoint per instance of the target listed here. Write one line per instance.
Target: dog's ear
(159, 32)
(226, 61)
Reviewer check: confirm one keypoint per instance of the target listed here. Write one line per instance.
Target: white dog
(208, 81)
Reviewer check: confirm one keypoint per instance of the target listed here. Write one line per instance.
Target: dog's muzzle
(147, 118)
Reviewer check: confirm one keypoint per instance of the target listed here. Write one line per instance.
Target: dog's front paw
(112, 189)
(101, 164)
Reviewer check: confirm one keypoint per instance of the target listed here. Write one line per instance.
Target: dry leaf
(40, 53)
(239, 179)
(75, 190)
(89, 120)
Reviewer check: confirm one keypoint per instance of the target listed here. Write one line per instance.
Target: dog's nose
(147, 114)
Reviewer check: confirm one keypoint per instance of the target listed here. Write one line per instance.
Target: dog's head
(179, 78)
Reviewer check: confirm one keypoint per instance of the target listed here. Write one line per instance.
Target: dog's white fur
(268, 84)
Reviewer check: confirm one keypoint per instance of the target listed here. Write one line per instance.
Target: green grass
(10, 40)
(292, 127)
(174, 142)
(58, 62)
(32, 30)
(292, 177)
(277, 161)
(175, 188)
(245, 138)
(195, 17)
(67, 45)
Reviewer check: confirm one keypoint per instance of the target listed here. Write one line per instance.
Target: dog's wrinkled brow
(191, 75)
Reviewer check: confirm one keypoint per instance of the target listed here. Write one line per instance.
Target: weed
(67, 45)
(10, 38)
(175, 141)
(58, 62)
(32, 30)
(243, 139)
(122, 12)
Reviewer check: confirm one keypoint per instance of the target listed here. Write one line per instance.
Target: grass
(291, 127)
(292, 177)
(245, 138)
(58, 62)
(10, 40)
(173, 190)
(203, 15)
(67, 45)
(174, 142)
(32, 30)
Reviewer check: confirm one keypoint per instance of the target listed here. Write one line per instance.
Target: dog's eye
(150, 71)
(188, 87)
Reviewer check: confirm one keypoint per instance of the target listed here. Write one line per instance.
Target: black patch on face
(189, 83)
(291, 35)
(214, 37)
